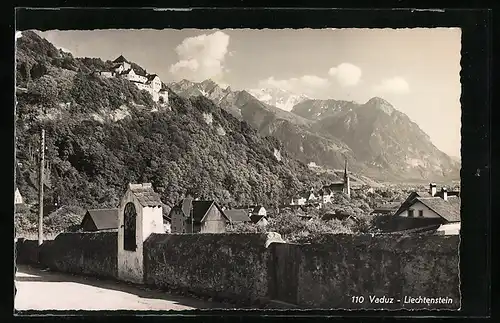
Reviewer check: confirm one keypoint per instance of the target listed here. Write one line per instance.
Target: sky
(416, 70)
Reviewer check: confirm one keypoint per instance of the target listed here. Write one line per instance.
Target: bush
(245, 228)
(293, 228)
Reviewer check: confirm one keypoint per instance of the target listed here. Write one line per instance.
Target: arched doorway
(129, 227)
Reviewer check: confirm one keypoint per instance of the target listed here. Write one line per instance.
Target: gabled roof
(256, 218)
(409, 200)
(257, 209)
(120, 59)
(104, 218)
(448, 210)
(151, 77)
(199, 208)
(237, 215)
(145, 194)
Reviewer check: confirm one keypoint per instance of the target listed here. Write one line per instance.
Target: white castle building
(148, 82)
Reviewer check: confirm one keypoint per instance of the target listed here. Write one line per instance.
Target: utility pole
(40, 188)
(192, 218)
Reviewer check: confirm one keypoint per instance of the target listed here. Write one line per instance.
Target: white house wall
(152, 222)
(156, 84)
(427, 213)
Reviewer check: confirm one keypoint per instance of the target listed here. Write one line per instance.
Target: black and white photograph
(256, 169)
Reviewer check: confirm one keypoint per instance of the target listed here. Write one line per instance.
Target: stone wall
(330, 274)
(222, 266)
(254, 268)
(27, 252)
(77, 253)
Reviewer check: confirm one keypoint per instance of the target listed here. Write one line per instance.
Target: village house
(260, 220)
(429, 208)
(100, 220)
(192, 216)
(304, 198)
(18, 198)
(238, 216)
(259, 210)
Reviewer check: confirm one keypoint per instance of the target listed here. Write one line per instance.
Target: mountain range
(378, 140)
(104, 132)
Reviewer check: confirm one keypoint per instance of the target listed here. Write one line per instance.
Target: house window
(421, 213)
(130, 215)
(410, 213)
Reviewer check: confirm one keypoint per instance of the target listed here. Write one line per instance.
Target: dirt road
(45, 290)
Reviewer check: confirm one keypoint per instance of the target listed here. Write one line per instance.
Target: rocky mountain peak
(380, 104)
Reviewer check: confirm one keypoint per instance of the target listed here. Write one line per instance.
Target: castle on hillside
(144, 81)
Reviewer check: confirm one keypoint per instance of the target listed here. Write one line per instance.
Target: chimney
(444, 192)
(432, 189)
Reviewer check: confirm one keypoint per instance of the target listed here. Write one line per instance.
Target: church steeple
(347, 184)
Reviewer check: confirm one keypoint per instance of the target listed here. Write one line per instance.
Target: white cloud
(347, 74)
(307, 84)
(396, 85)
(18, 34)
(201, 57)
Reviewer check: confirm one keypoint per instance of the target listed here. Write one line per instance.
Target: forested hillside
(101, 134)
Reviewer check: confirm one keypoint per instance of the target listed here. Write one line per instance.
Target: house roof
(448, 210)
(200, 208)
(120, 59)
(146, 195)
(257, 209)
(256, 218)
(238, 215)
(413, 195)
(151, 77)
(104, 218)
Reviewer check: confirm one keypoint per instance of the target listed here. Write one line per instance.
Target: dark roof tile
(120, 59)
(237, 215)
(104, 218)
(256, 218)
(448, 210)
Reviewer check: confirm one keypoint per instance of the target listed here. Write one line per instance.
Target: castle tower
(347, 184)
